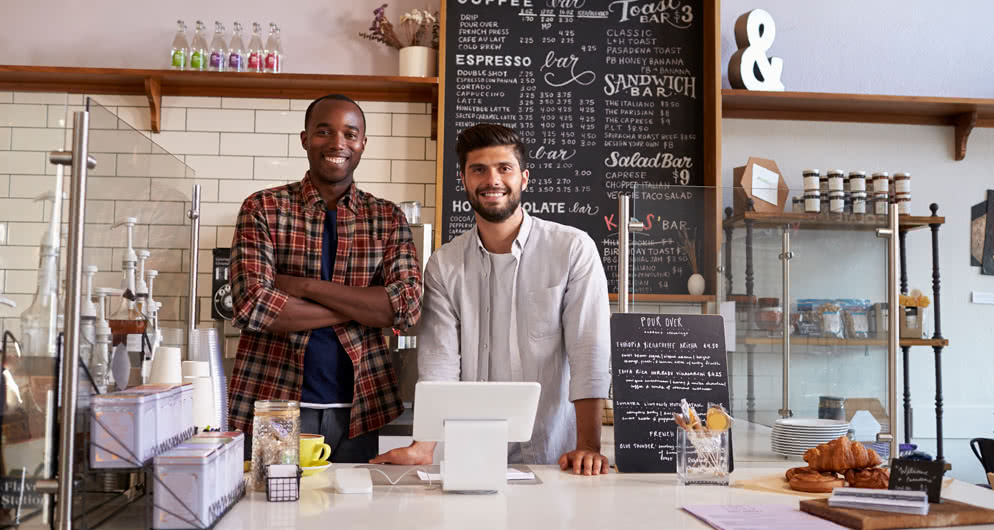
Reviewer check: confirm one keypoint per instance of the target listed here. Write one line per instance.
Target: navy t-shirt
(328, 373)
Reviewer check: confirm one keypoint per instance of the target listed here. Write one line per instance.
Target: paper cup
(166, 367)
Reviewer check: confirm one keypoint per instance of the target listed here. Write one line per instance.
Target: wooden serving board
(778, 484)
(946, 513)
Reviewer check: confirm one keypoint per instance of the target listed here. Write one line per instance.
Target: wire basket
(283, 489)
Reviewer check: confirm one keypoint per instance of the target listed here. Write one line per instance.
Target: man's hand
(584, 462)
(416, 454)
(292, 285)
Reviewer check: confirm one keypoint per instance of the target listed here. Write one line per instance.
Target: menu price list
(606, 97)
(657, 360)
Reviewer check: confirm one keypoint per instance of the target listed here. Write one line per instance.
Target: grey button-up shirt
(558, 328)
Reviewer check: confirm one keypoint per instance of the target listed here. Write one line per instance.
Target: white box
(123, 430)
(184, 483)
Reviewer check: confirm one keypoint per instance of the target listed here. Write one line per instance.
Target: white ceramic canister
(836, 201)
(835, 180)
(812, 179)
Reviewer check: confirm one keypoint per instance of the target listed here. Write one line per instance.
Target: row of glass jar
(837, 192)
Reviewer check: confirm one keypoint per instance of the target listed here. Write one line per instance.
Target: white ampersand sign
(749, 68)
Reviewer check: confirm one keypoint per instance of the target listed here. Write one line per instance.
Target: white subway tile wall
(235, 146)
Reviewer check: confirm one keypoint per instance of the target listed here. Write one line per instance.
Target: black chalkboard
(657, 360)
(608, 97)
(917, 475)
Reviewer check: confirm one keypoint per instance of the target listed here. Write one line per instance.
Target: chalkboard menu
(656, 361)
(608, 96)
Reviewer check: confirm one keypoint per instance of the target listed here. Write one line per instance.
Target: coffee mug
(313, 450)
(984, 449)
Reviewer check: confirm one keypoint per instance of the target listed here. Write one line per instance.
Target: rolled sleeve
(587, 323)
(402, 274)
(257, 302)
(438, 339)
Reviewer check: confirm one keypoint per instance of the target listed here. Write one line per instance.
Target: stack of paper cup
(166, 367)
(206, 348)
(198, 373)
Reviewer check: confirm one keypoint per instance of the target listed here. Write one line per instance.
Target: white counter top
(563, 500)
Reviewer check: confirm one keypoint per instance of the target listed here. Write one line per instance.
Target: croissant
(840, 455)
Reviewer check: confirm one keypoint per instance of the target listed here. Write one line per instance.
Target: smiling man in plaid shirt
(318, 268)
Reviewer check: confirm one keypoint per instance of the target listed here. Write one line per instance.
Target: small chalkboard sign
(917, 475)
(657, 360)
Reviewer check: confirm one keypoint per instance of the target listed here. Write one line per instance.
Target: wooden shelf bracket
(964, 126)
(153, 91)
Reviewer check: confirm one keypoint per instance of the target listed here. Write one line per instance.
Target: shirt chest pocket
(543, 312)
(365, 263)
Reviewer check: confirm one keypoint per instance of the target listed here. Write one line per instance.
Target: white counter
(563, 500)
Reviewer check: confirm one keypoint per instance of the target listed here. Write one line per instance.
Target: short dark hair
(336, 97)
(488, 135)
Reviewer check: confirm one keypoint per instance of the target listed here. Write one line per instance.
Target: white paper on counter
(752, 516)
(764, 184)
(512, 474)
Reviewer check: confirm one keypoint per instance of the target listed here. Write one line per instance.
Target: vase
(695, 284)
(418, 61)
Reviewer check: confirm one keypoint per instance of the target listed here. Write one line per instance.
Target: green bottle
(181, 48)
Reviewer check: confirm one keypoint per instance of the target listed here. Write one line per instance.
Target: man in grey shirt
(518, 298)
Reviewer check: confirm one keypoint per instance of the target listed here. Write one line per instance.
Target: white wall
(909, 48)
(912, 47)
(925, 152)
(319, 36)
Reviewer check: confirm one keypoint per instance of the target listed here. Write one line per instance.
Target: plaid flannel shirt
(279, 231)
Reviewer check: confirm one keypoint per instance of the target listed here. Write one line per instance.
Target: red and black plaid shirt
(279, 231)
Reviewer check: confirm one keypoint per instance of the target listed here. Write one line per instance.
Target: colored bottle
(274, 50)
(181, 48)
(219, 49)
(256, 53)
(236, 50)
(198, 51)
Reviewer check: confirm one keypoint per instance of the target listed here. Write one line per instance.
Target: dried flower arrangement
(419, 28)
(689, 247)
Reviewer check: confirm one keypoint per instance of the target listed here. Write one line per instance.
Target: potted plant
(417, 39)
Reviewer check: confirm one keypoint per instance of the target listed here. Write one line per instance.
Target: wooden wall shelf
(962, 113)
(829, 341)
(830, 221)
(157, 83)
(667, 298)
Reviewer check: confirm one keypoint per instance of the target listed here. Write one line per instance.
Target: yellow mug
(313, 450)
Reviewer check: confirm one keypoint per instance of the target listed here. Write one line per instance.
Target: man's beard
(497, 214)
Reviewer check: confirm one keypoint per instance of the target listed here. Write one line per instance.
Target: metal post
(785, 256)
(626, 225)
(74, 283)
(194, 214)
(893, 312)
(623, 248)
(937, 349)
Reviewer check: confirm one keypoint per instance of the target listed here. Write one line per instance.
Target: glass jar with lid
(275, 437)
(769, 316)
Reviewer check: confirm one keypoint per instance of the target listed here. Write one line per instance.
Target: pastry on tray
(812, 481)
(841, 455)
(875, 478)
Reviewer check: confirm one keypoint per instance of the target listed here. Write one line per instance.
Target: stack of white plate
(792, 437)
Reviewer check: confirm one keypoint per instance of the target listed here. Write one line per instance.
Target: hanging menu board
(657, 360)
(607, 96)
